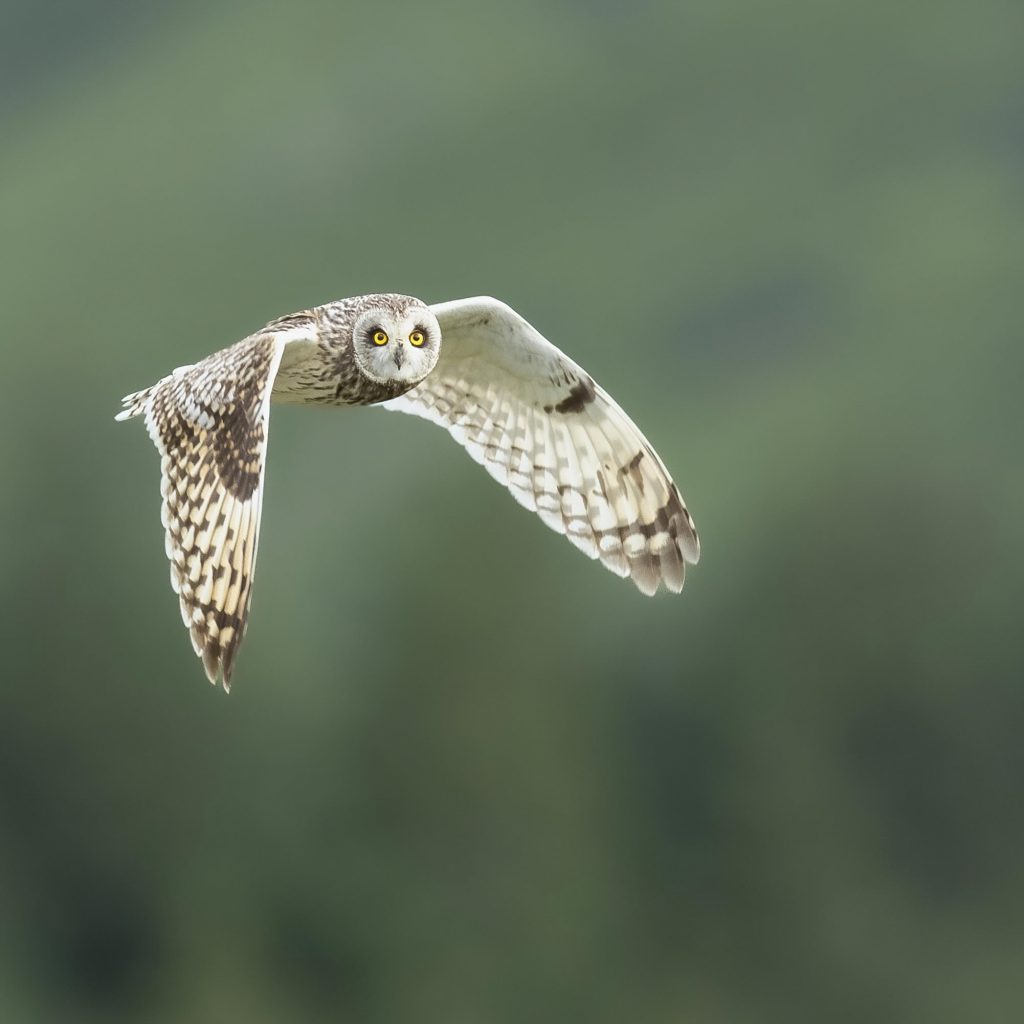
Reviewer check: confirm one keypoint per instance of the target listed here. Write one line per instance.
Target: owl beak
(399, 355)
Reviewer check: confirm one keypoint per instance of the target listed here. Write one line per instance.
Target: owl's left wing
(539, 424)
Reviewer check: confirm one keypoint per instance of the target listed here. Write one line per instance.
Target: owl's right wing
(539, 424)
(210, 423)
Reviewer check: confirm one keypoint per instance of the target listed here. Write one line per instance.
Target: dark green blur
(466, 776)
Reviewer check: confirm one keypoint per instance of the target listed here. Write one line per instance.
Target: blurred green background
(789, 238)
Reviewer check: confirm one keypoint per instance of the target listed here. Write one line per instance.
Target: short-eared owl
(528, 414)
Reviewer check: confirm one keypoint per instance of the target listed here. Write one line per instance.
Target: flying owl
(527, 413)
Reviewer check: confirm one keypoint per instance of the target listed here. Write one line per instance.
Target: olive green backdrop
(465, 775)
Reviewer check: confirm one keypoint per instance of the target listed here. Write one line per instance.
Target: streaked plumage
(534, 419)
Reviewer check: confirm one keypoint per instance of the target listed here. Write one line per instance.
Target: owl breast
(324, 374)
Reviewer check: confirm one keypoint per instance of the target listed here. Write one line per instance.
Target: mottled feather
(210, 424)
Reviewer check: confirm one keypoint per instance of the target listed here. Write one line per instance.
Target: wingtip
(646, 573)
(692, 551)
(216, 672)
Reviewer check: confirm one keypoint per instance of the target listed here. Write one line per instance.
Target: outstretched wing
(210, 424)
(539, 424)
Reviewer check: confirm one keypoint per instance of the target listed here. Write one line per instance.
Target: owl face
(396, 340)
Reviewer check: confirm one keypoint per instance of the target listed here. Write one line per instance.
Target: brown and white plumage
(210, 424)
(531, 416)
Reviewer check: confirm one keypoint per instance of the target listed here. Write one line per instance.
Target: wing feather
(540, 426)
(210, 422)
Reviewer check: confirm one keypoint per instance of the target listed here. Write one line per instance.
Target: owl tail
(136, 403)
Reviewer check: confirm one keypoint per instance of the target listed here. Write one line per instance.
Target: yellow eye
(417, 338)
(380, 338)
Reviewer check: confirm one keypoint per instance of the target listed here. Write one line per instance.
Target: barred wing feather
(541, 426)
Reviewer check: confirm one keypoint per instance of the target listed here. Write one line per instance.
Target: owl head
(396, 339)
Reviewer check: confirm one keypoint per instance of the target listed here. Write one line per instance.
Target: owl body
(534, 419)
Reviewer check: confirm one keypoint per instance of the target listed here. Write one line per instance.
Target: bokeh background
(465, 775)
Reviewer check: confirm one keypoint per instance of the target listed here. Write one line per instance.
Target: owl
(527, 413)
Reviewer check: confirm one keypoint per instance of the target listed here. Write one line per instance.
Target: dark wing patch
(581, 394)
